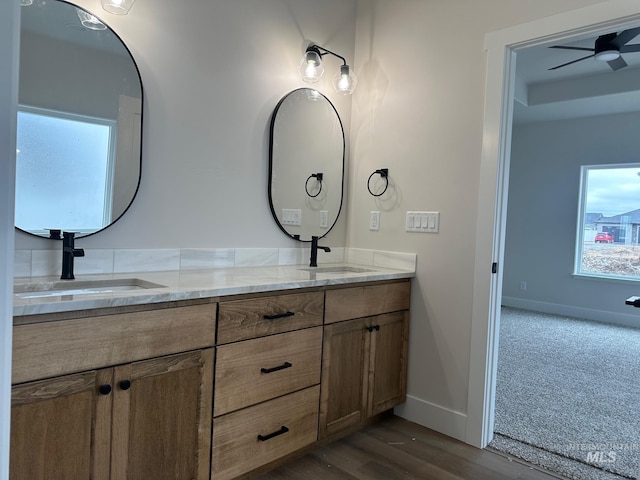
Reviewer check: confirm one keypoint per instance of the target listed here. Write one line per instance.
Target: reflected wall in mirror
(78, 155)
(306, 164)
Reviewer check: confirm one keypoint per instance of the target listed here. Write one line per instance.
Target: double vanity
(201, 374)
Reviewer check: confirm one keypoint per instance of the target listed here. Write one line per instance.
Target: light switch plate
(423, 222)
(374, 220)
(291, 216)
(324, 218)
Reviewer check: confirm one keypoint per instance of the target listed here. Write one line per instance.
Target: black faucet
(69, 252)
(314, 251)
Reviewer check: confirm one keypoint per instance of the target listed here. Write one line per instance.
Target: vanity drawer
(366, 301)
(246, 439)
(256, 370)
(256, 317)
(49, 349)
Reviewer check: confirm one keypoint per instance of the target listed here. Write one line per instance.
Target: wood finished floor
(396, 449)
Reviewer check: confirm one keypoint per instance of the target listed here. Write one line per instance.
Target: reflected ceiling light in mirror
(118, 7)
(89, 21)
(311, 69)
(26, 3)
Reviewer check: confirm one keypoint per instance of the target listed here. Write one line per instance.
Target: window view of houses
(609, 231)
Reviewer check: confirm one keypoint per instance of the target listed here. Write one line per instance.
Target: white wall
(212, 73)
(544, 184)
(419, 111)
(9, 39)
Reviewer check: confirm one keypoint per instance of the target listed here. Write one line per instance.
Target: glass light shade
(607, 55)
(311, 67)
(89, 21)
(345, 81)
(118, 7)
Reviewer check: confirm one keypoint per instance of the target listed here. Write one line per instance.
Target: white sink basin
(337, 269)
(81, 287)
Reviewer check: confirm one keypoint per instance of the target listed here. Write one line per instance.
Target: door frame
(501, 48)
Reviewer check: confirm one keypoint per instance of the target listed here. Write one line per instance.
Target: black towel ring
(317, 176)
(384, 173)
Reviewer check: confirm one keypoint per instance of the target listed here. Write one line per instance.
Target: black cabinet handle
(125, 385)
(264, 438)
(377, 327)
(105, 389)
(369, 329)
(278, 315)
(275, 369)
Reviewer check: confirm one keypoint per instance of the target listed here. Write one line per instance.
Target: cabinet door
(162, 418)
(388, 356)
(345, 365)
(60, 428)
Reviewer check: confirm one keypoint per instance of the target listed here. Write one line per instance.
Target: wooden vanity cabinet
(267, 380)
(148, 418)
(364, 366)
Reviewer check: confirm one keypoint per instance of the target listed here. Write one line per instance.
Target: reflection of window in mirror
(73, 188)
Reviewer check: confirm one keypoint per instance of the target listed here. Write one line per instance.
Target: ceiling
(582, 89)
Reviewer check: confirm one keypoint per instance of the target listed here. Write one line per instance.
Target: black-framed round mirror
(79, 136)
(306, 164)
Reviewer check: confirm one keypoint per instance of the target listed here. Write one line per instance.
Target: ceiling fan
(608, 48)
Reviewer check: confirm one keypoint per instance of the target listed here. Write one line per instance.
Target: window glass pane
(610, 222)
(62, 171)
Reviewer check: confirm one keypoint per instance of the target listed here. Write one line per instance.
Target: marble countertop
(192, 284)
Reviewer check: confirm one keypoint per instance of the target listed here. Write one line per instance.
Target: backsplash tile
(204, 258)
(94, 261)
(403, 261)
(38, 263)
(22, 263)
(127, 261)
(46, 262)
(255, 257)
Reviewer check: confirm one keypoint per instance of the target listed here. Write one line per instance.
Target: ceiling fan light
(607, 55)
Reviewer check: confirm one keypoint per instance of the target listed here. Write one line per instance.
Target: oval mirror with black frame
(306, 164)
(79, 135)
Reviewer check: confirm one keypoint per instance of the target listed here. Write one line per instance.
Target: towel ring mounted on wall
(318, 176)
(384, 173)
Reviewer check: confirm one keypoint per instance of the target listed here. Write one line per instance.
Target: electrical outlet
(523, 285)
(374, 221)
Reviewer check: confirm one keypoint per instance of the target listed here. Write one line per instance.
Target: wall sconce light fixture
(118, 7)
(89, 21)
(311, 69)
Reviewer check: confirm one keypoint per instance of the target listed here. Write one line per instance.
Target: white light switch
(424, 222)
(374, 221)
(291, 216)
(324, 218)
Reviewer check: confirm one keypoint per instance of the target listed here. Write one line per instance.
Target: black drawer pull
(125, 385)
(275, 369)
(278, 315)
(264, 438)
(377, 327)
(369, 329)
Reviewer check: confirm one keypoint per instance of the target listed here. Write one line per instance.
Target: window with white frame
(608, 237)
(64, 170)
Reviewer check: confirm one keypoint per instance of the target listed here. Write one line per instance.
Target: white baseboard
(435, 417)
(626, 320)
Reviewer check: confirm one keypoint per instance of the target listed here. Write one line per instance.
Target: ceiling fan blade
(569, 63)
(574, 48)
(626, 36)
(630, 48)
(617, 64)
